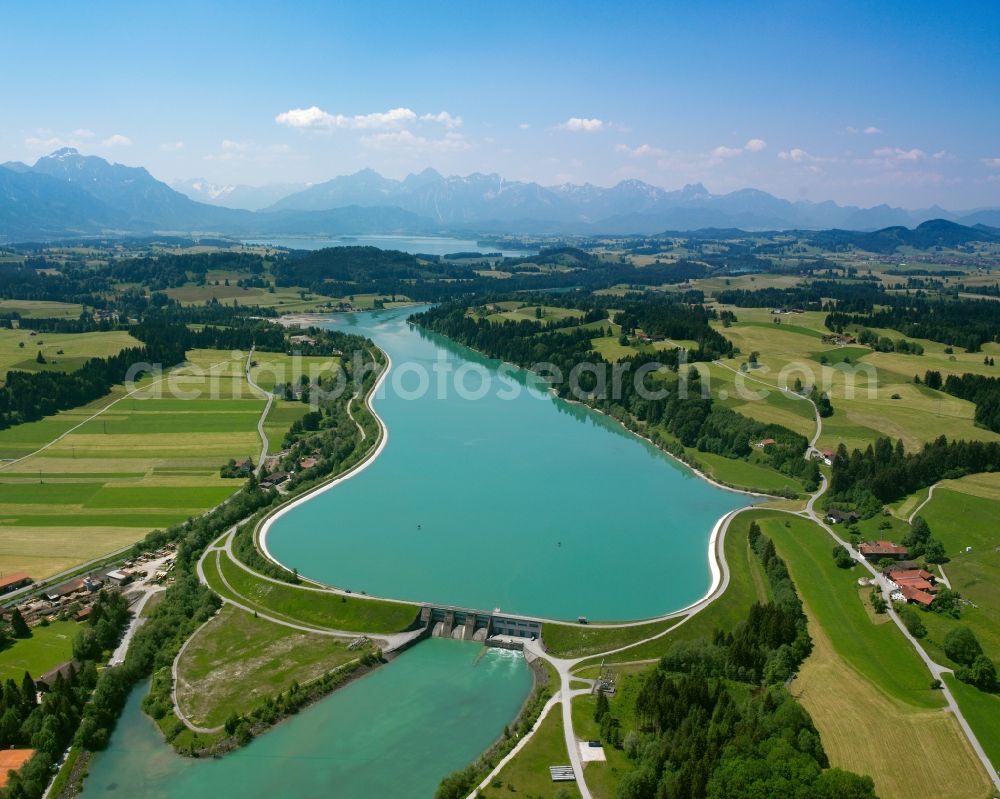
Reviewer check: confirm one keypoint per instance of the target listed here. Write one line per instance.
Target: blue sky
(858, 102)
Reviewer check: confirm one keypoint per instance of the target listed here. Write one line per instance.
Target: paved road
(263, 414)
(920, 507)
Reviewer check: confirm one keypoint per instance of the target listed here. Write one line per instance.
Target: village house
(47, 680)
(876, 550)
(307, 463)
(303, 340)
(274, 480)
(840, 516)
(766, 442)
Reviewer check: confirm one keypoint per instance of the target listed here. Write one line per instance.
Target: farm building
(876, 550)
(13, 581)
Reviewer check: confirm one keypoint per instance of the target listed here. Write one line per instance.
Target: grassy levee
(528, 773)
(236, 660)
(864, 685)
(312, 608)
(574, 640)
(45, 649)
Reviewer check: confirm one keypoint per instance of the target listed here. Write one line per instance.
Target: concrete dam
(468, 624)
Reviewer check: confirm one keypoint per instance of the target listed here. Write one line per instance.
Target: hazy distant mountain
(488, 202)
(251, 198)
(68, 194)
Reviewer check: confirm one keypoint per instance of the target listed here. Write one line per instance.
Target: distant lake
(426, 245)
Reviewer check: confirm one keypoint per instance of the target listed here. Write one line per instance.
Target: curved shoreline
(716, 568)
(354, 470)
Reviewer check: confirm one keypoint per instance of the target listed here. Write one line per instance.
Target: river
(530, 504)
(394, 733)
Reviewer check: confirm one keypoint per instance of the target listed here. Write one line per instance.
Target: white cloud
(992, 162)
(48, 143)
(172, 146)
(315, 118)
(755, 145)
(83, 133)
(446, 119)
(117, 140)
(524, 126)
(642, 151)
(726, 152)
(583, 125)
(796, 154)
(899, 154)
(871, 130)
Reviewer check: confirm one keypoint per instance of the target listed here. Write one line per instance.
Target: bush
(842, 557)
(962, 646)
(913, 622)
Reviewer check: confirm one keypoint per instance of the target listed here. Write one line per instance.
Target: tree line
(884, 472)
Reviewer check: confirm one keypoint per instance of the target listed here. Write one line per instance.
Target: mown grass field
(63, 352)
(236, 660)
(149, 461)
(41, 309)
(312, 608)
(864, 685)
(273, 368)
(963, 513)
(602, 778)
(528, 773)
(47, 648)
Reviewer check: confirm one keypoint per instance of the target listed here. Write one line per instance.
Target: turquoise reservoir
(395, 733)
(531, 504)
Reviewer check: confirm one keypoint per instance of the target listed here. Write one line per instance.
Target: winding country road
(263, 414)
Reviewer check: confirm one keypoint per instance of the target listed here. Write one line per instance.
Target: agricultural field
(47, 647)
(44, 309)
(236, 660)
(274, 368)
(873, 393)
(528, 313)
(92, 480)
(63, 352)
(864, 685)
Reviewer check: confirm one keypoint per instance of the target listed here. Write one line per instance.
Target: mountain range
(66, 194)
